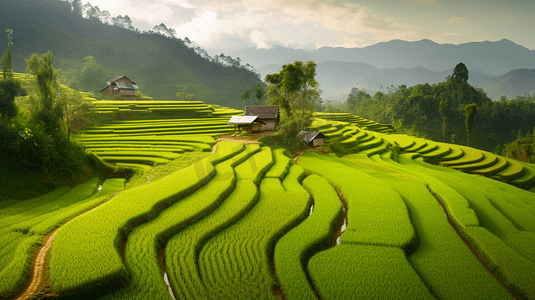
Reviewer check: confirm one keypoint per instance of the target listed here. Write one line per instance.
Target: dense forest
(158, 62)
(438, 112)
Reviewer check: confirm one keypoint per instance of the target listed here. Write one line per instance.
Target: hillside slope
(159, 65)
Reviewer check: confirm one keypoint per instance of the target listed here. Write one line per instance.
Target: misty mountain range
(500, 68)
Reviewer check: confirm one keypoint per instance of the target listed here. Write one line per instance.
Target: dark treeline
(158, 62)
(438, 112)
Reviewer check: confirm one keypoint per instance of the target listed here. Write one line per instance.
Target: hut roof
(243, 120)
(126, 86)
(122, 86)
(114, 79)
(263, 112)
(309, 136)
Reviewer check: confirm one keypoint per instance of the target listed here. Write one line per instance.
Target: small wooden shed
(120, 87)
(313, 138)
(252, 123)
(267, 114)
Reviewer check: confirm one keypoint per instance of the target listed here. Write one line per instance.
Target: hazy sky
(314, 23)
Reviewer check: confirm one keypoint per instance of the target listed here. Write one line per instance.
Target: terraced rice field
(156, 131)
(399, 218)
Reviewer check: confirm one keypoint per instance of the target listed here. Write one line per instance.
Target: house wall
(108, 91)
(271, 124)
(317, 142)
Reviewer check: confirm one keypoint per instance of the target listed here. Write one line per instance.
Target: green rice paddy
(398, 218)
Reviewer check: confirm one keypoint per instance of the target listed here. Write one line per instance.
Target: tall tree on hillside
(443, 109)
(460, 73)
(163, 30)
(46, 79)
(309, 87)
(75, 109)
(9, 56)
(259, 92)
(277, 95)
(245, 96)
(469, 113)
(122, 21)
(76, 7)
(9, 89)
(92, 76)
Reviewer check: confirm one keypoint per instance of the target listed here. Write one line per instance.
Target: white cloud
(259, 39)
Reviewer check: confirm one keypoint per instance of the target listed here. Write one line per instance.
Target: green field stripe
(513, 171)
(146, 240)
(257, 164)
(163, 121)
(370, 272)
(137, 153)
(141, 102)
(23, 221)
(377, 150)
(51, 221)
(403, 141)
(235, 264)
(456, 153)
(121, 128)
(149, 144)
(441, 259)
(143, 167)
(470, 156)
(370, 222)
(13, 277)
(128, 131)
(137, 148)
(517, 271)
(146, 160)
(419, 144)
(197, 132)
(441, 151)
(295, 248)
(500, 165)
(375, 142)
(528, 177)
(85, 251)
(429, 148)
(367, 138)
(489, 160)
(495, 219)
(183, 249)
(353, 141)
(452, 199)
(21, 206)
(206, 139)
(281, 166)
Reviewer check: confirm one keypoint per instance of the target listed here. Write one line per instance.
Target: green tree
(260, 92)
(8, 57)
(9, 89)
(469, 113)
(294, 86)
(75, 109)
(309, 87)
(46, 78)
(245, 96)
(460, 73)
(443, 109)
(183, 95)
(92, 76)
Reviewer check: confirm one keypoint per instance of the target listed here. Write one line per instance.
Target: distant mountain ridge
(399, 62)
(494, 58)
